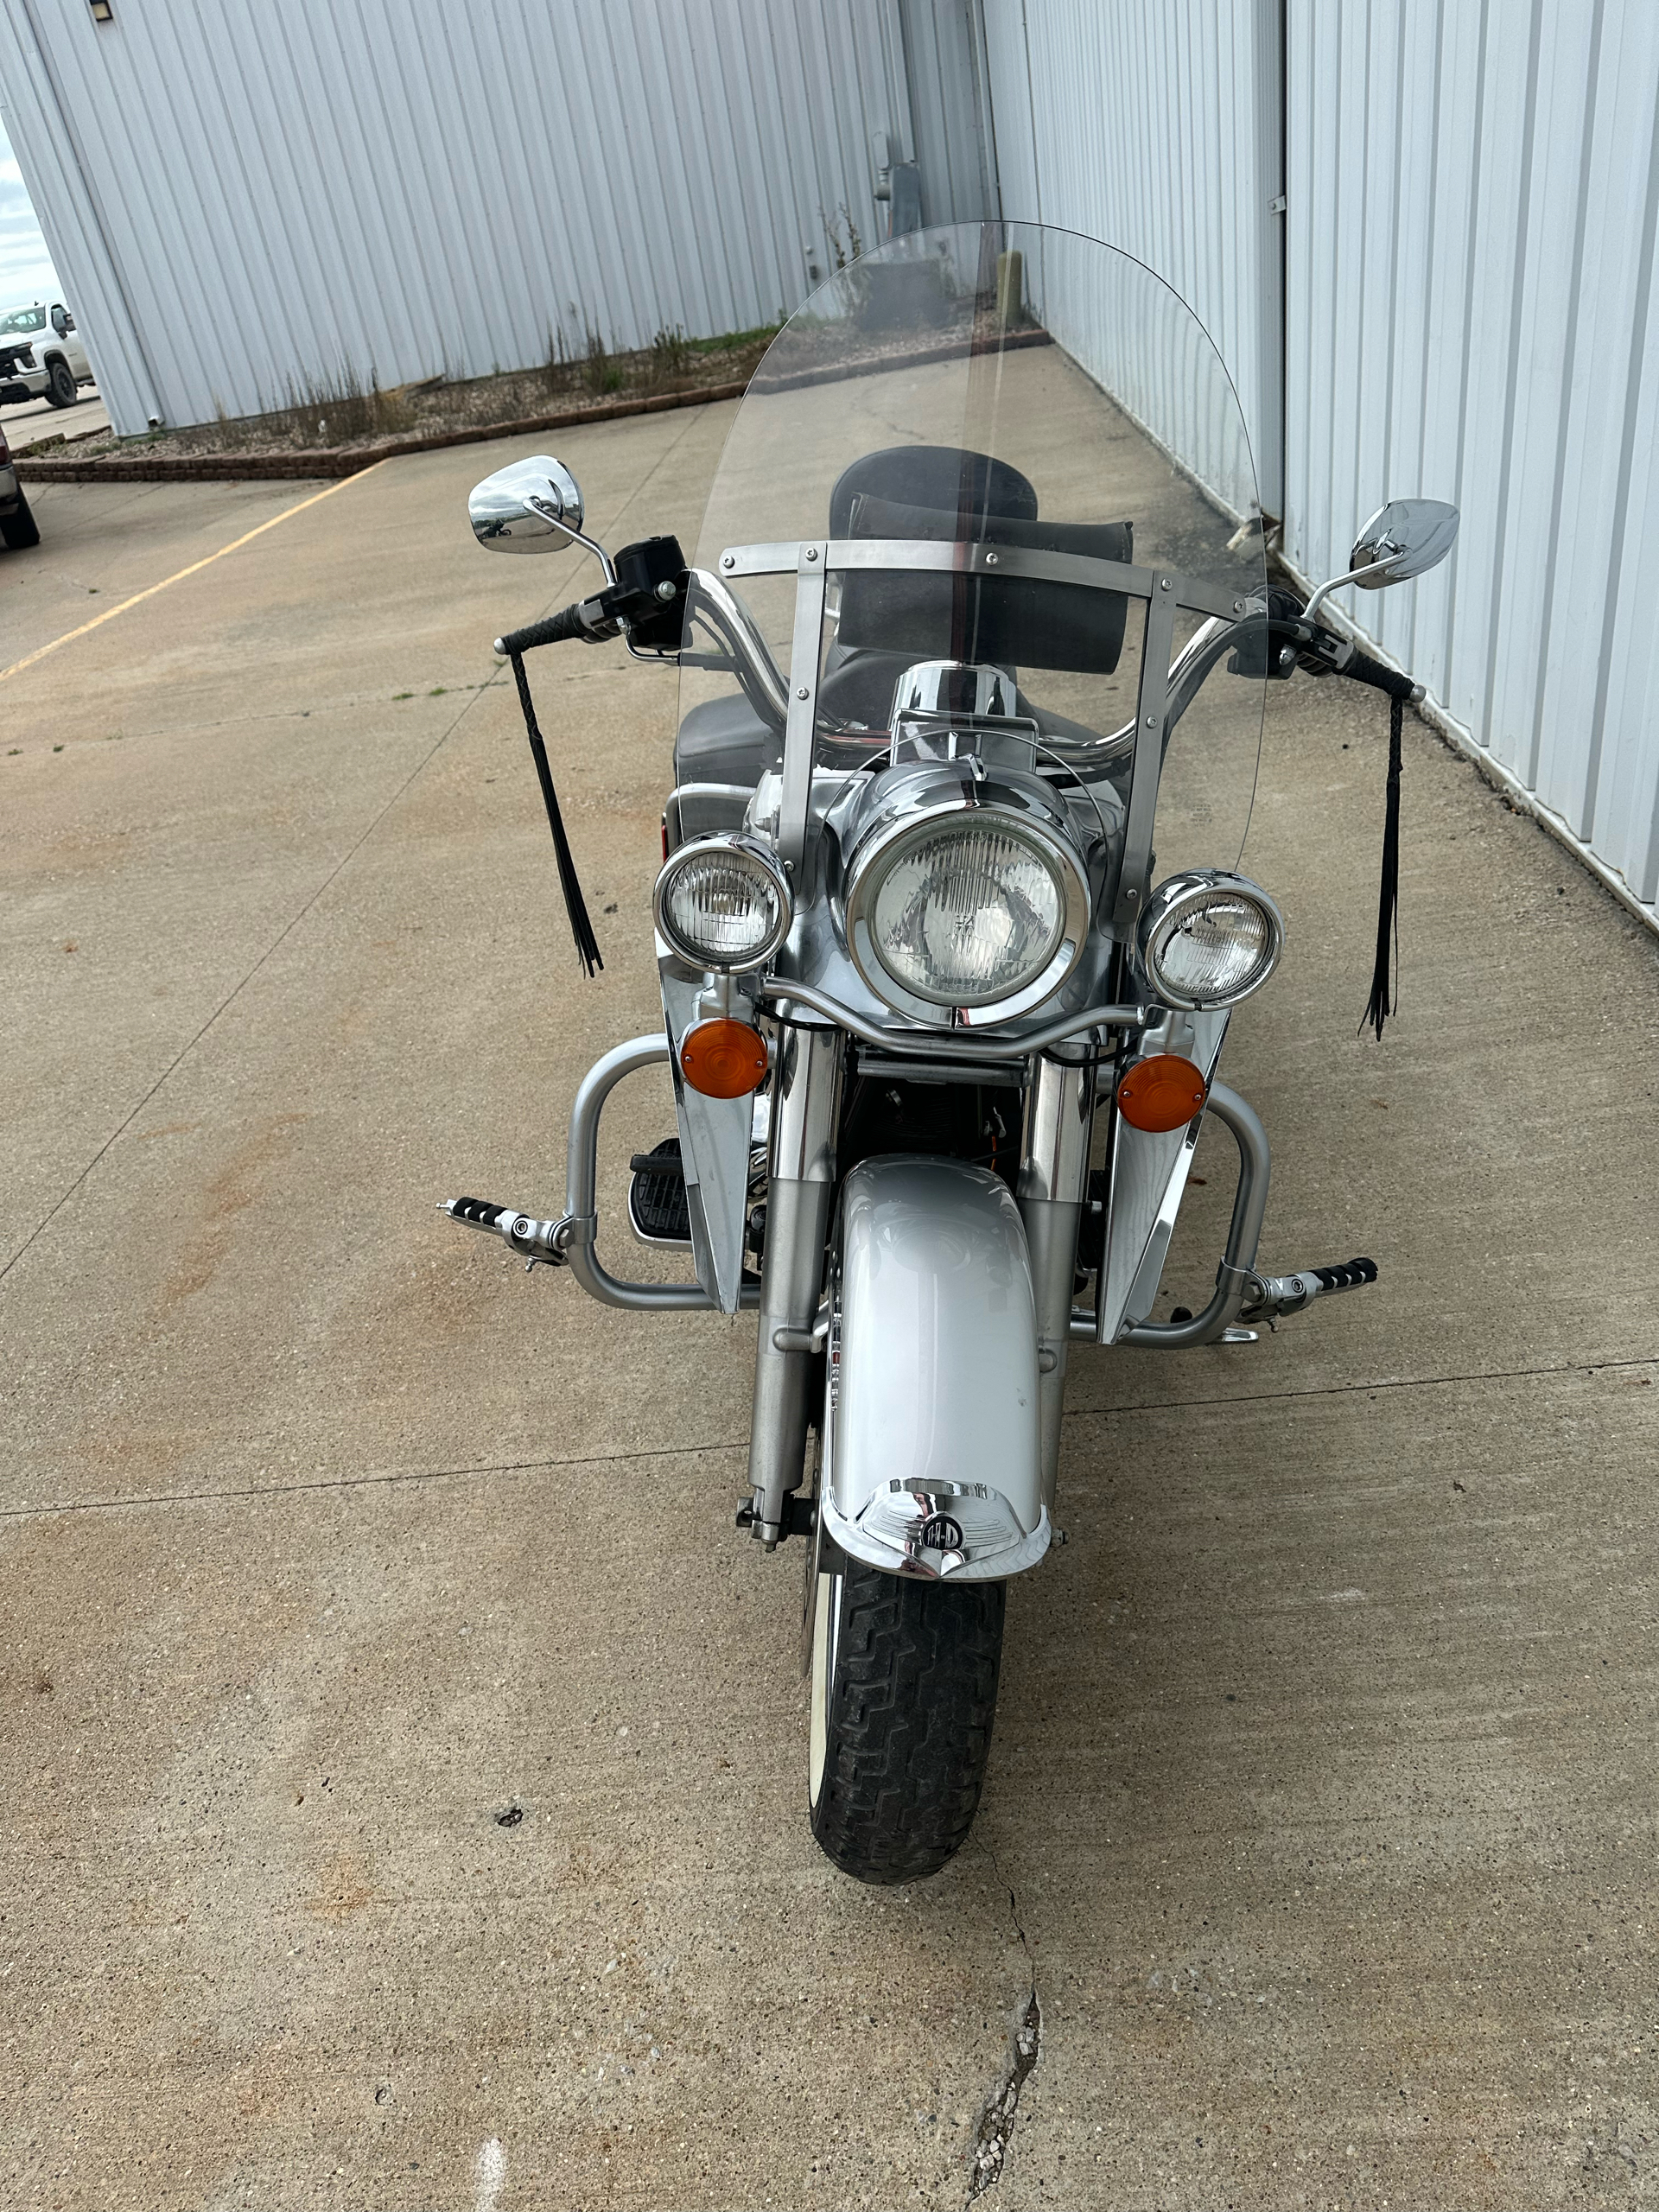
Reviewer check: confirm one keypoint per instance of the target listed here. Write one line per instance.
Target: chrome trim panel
(730, 802)
(1054, 1144)
(1134, 879)
(1053, 1183)
(806, 1099)
(714, 1140)
(1146, 1177)
(808, 1067)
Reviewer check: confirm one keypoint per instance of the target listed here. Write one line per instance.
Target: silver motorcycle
(951, 925)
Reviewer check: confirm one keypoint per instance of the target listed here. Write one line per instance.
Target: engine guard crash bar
(581, 1189)
(573, 1238)
(1236, 1272)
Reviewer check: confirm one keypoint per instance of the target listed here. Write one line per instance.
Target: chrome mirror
(1403, 540)
(534, 507)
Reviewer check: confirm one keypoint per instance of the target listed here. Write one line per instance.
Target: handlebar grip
(553, 630)
(1362, 668)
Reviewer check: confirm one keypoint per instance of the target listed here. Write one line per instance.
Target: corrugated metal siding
(403, 188)
(49, 151)
(943, 70)
(1473, 194)
(1156, 128)
(1473, 187)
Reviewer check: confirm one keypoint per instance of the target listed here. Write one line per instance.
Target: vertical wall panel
(265, 197)
(1156, 130)
(941, 70)
(1473, 201)
(1469, 311)
(1007, 65)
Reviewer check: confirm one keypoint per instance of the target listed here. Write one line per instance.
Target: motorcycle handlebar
(552, 630)
(1362, 668)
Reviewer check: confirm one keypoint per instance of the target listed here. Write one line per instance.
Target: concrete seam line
(1348, 1389)
(363, 1482)
(741, 1444)
(195, 568)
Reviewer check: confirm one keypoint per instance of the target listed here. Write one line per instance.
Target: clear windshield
(1015, 385)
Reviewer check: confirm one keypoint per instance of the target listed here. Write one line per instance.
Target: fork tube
(801, 1188)
(1053, 1185)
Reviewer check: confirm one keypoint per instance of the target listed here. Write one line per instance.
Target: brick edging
(348, 460)
(344, 461)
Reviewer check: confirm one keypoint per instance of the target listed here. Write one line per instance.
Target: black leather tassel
(1385, 974)
(575, 905)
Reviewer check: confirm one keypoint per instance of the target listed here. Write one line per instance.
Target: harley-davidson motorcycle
(950, 927)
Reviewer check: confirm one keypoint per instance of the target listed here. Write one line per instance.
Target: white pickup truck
(41, 356)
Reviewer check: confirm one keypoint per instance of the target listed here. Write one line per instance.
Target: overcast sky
(25, 270)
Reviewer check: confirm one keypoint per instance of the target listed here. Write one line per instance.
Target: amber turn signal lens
(1161, 1093)
(723, 1060)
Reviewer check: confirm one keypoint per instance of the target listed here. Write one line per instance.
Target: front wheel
(60, 382)
(903, 1697)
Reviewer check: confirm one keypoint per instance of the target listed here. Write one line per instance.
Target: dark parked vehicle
(18, 525)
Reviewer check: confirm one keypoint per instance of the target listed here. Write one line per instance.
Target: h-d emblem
(941, 1533)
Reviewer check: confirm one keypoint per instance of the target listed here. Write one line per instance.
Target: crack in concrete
(996, 2117)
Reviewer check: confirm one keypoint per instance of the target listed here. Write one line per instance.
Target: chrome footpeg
(533, 1240)
(1270, 1297)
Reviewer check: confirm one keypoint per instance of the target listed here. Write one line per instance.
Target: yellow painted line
(195, 568)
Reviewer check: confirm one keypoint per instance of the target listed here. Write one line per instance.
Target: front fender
(932, 1439)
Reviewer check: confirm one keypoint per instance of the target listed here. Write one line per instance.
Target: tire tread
(911, 1714)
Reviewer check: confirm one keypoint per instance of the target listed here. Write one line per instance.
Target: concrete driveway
(403, 1757)
(30, 423)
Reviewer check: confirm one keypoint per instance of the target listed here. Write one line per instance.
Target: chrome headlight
(966, 906)
(1209, 939)
(722, 903)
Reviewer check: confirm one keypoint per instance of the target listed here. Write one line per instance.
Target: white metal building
(244, 200)
(1420, 232)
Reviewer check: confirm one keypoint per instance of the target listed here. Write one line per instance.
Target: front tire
(903, 1698)
(60, 382)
